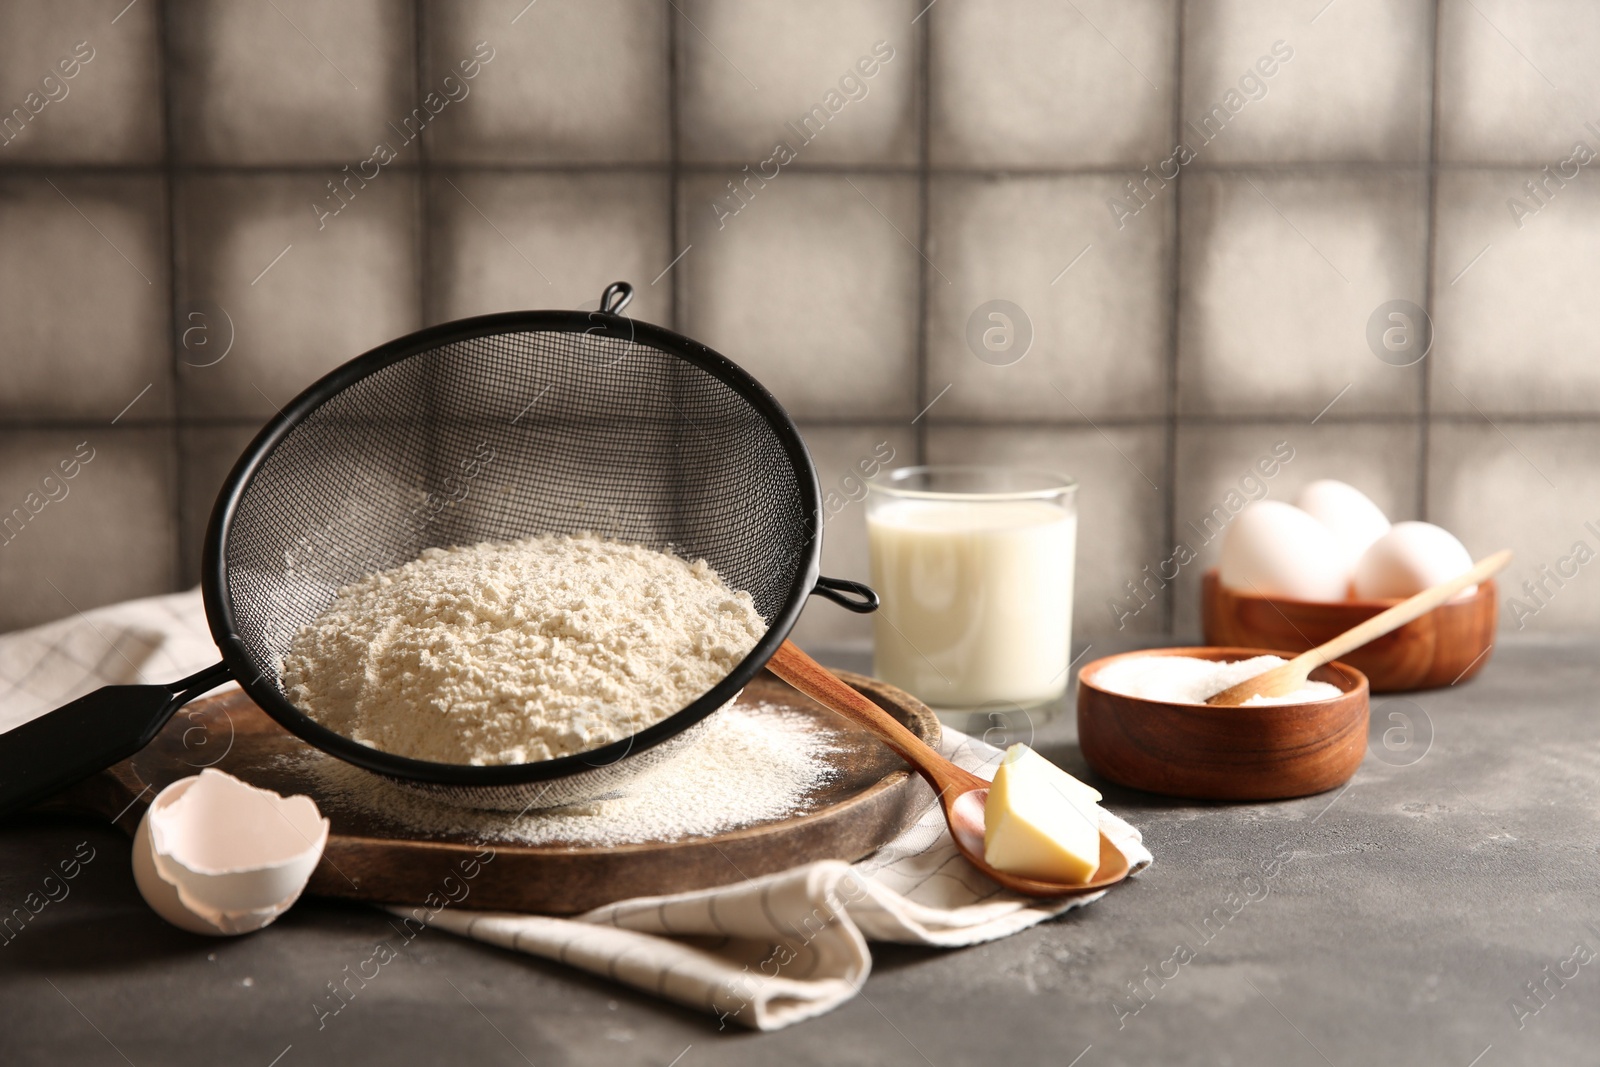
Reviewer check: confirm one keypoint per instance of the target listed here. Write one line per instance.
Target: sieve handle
(852, 596)
(59, 748)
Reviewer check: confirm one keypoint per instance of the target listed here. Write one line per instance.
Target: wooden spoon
(1281, 681)
(961, 793)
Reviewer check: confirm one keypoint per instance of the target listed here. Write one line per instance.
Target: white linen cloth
(762, 953)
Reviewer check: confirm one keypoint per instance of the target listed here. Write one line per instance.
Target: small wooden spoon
(1281, 681)
(962, 793)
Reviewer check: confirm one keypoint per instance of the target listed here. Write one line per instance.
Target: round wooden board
(869, 800)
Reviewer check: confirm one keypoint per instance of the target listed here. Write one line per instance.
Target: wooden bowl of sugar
(1252, 752)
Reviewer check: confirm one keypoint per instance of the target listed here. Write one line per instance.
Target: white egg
(214, 855)
(1355, 520)
(1275, 549)
(1409, 558)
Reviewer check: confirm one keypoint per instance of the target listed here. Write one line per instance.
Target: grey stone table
(1442, 909)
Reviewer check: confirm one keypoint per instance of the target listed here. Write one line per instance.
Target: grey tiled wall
(166, 283)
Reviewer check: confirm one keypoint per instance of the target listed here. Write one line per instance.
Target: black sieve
(485, 429)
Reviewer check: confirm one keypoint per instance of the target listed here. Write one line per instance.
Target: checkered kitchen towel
(762, 954)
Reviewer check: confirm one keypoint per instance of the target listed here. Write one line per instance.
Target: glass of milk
(974, 568)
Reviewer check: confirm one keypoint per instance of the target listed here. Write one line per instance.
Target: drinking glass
(974, 568)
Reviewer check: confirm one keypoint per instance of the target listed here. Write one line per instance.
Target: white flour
(753, 764)
(1187, 680)
(518, 651)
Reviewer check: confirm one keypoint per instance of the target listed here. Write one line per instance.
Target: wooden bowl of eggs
(1293, 577)
(1185, 748)
(1450, 644)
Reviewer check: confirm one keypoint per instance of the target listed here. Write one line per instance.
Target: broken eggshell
(214, 855)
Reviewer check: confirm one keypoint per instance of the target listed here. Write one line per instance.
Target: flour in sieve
(752, 764)
(512, 652)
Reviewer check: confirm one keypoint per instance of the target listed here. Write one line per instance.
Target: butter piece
(1041, 822)
(1028, 761)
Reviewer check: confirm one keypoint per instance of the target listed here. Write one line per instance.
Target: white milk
(977, 599)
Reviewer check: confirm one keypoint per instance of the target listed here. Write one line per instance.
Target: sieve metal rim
(242, 665)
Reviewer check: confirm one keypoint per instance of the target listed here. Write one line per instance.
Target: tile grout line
(715, 167)
(1430, 257)
(676, 226)
(182, 549)
(422, 243)
(923, 32)
(1134, 422)
(677, 214)
(1169, 512)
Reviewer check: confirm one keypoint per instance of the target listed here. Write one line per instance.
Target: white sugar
(1186, 680)
(752, 764)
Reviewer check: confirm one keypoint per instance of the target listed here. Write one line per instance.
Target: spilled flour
(754, 763)
(517, 651)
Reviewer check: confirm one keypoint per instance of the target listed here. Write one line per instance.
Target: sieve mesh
(504, 429)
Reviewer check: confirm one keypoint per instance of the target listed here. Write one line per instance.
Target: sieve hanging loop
(852, 596)
(617, 296)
